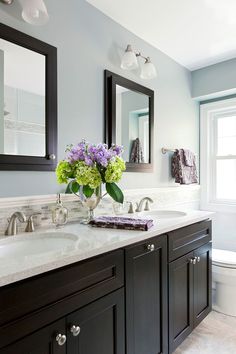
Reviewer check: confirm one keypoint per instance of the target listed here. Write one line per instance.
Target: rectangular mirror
(129, 120)
(28, 102)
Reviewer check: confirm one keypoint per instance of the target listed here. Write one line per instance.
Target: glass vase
(91, 203)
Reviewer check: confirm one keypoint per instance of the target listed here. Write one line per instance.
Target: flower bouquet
(88, 166)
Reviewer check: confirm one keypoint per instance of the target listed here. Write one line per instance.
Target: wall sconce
(130, 62)
(34, 11)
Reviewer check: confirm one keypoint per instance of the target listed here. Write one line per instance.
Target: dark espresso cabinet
(180, 300)
(189, 288)
(98, 327)
(78, 309)
(146, 297)
(202, 278)
(44, 341)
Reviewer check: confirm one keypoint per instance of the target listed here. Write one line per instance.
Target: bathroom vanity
(145, 297)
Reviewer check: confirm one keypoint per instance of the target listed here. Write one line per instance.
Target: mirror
(132, 124)
(22, 101)
(129, 120)
(28, 102)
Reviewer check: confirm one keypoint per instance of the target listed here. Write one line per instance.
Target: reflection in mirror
(22, 101)
(129, 120)
(132, 124)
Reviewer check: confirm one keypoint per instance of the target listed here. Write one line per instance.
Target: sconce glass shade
(34, 12)
(148, 70)
(129, 60)
(7, 2)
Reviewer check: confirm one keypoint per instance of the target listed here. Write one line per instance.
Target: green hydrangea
(64, 171)
(87, 175)
(114, 170)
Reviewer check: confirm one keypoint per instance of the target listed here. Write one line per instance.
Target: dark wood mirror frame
(33, 163)
(111, 80)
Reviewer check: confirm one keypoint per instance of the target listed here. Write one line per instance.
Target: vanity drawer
(63, 290)
(186, 239)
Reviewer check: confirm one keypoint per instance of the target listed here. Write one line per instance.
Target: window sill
(219, 207)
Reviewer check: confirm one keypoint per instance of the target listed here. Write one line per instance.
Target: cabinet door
(202, 283)
(146, 297)
(41, 342)
(98, 327)
(180, 300)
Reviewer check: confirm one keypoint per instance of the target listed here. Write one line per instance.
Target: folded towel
(115, 222)
(181, 171)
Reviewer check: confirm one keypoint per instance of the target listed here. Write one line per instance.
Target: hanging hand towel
(181, 171)
(136, 155)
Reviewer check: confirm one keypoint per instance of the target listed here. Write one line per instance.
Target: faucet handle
(131, 208)
(147, 204)
(30, 223)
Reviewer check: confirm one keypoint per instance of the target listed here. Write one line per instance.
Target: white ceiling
(195, 33)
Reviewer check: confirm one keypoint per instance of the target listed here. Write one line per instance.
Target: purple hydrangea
(94, 154)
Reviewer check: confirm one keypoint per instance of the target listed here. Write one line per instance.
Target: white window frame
(209, 112)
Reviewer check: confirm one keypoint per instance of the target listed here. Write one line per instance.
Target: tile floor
(215, 335)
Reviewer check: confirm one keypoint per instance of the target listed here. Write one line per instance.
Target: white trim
(207, 114)
(214, 95)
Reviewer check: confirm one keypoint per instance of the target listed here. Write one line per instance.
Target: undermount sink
(164, 214)
(20, 249)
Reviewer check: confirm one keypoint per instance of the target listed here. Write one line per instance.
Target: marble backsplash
(179, 197)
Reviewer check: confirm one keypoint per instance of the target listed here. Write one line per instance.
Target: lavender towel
(124, 223)
(181, 171)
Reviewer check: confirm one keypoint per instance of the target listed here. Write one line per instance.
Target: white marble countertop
(86, 242)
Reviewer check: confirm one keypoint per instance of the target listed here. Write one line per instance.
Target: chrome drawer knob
(151, 247)
(52, 157)
(75, 330)
(61, 339)
(198, 259)
(193, 260)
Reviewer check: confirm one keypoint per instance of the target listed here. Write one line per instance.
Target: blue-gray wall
(215, 80)
(89, 42)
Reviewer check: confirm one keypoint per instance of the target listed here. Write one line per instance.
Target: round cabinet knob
(61, 339)
(198, 259)
(52, 157)
(151, 247)
(75, 330)
(193, 260)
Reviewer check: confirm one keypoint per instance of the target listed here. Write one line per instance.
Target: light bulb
(34, 12)
(129, 60)
(148, 70)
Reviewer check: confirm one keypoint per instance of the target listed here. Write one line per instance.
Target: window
(218, 155)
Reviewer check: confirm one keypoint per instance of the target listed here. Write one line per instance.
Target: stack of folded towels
(125, 223)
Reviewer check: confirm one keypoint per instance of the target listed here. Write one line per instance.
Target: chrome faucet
(12, 226)
(140, 204)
